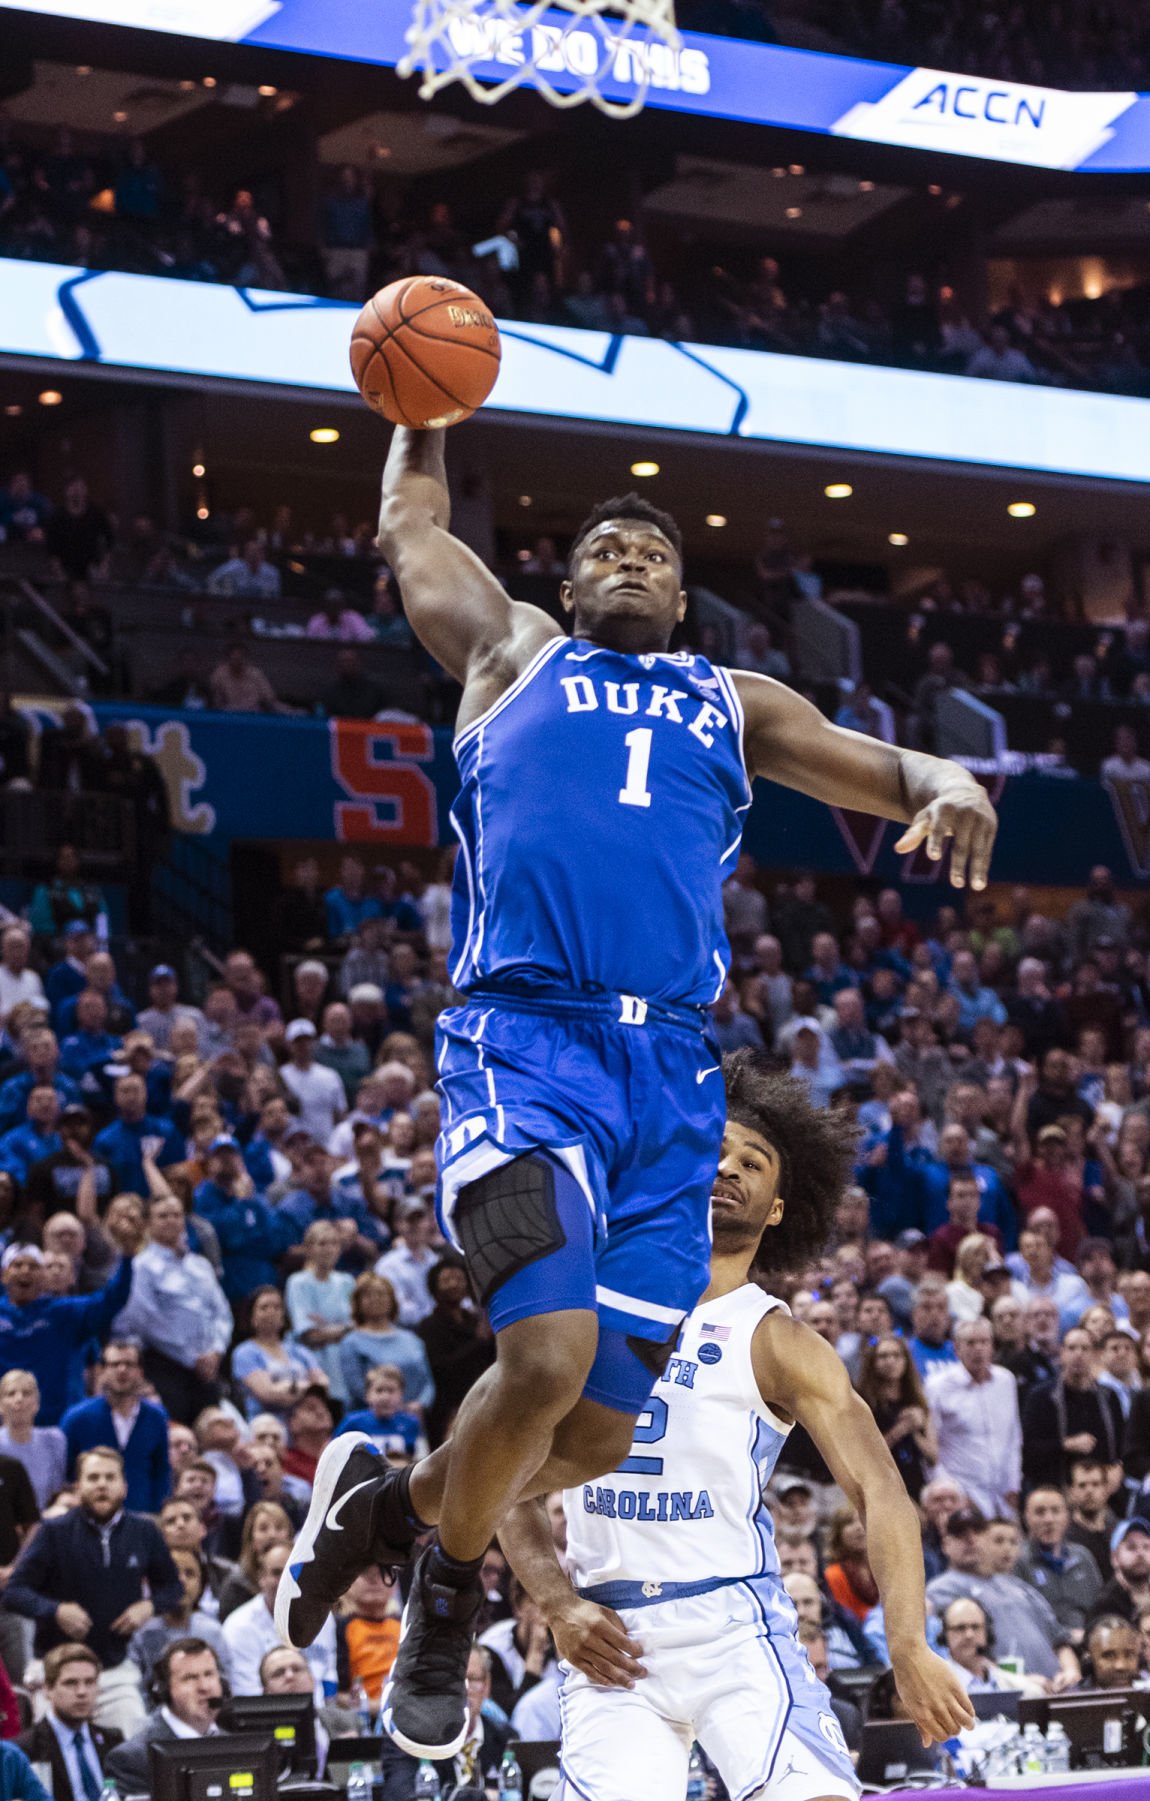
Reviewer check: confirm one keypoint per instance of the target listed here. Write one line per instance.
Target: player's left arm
(801, 1375)
(591, 1638)
(787, 740)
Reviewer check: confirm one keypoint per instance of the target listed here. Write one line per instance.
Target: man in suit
(119, 1416)
(74, 1749)
(188, 1691)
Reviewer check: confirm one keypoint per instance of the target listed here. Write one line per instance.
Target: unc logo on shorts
(833, 1733)
(652, 1590)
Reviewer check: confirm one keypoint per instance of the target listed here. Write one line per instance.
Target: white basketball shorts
(725, 1668)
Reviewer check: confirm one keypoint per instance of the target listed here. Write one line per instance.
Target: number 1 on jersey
(634, 792)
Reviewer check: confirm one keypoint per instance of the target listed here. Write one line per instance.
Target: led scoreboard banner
(724, 78)
(204, 331)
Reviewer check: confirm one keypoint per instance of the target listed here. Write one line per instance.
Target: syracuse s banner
(725, 78)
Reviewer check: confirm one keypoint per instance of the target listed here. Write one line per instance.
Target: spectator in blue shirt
(18, 1780)
(348, 904)
(396, 1432)
(96, 1576)
(90, 1045)
(42, 1056)
(253, 1234)
(974, 1001)
(37, 1137)
(101, 974)
(119, 1408)
(41, 1333)
(828, 973)
(70, 975)
(930, 1342)
(317, 1199)
(954, 1158)
(133, 1132)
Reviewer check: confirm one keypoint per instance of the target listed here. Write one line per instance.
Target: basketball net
(565, 49)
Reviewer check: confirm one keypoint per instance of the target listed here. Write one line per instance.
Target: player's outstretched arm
(788, 740)
(799, 1373)
(591, 1638)
(457, 609)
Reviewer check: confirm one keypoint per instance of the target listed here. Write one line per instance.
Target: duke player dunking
(675, 1624)
(605, 784)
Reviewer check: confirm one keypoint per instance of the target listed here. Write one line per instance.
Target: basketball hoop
(565, 49)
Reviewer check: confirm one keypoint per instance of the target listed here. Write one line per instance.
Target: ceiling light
(267, 92)
(14, 410)
(84, 69)
(866, 187)
(898, 539)
(121, 118)
(525, 500)
(934, 189)
(716, 519)
(644, 469)
(1022, 509)
(187, 87)
(50, 397)
(796, 169)
(209, 81)
(794, 212)
(199, 471)
(838, 491)
(324, 434)
(779, 174)
(202, 513)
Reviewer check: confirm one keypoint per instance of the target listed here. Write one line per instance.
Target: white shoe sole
(328, 1472)
(433, 1753)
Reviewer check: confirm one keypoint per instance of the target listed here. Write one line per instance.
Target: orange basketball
(425, 352)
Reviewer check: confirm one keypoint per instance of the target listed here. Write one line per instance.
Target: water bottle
(109, 1791)
(696, 1780)
(426, 1783)
(510, 1777)
(1033, 1750)
(1057, 1749)
(362, 1707)
(359, 1785)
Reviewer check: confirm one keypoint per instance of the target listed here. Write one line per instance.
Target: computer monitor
(289, 1718)
(892, 1750)
(1102, 1725)
(225, 1767)
(996, 1704)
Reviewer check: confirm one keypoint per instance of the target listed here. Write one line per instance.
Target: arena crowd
(219, 1248)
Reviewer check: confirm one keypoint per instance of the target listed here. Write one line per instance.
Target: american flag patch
(722, 1333)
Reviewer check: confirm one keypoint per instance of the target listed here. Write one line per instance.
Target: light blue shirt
(176, 1305)
(308, 1297)
(66, 1739)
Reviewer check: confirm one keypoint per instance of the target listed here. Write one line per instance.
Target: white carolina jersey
(687, 1506)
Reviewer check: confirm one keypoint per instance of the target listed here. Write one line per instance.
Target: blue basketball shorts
(627, 1100)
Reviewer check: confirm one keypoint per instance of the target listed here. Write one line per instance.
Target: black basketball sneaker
(424, 1702)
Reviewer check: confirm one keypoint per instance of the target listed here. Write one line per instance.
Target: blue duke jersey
(602, 805)
(686, 1508)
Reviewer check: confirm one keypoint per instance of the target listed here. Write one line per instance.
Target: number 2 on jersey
(634, 792)
(650, 1427)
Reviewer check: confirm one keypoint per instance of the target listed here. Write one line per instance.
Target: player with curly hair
(676, 1578)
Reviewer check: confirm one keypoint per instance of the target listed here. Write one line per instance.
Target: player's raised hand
(594, 1640)
(964, 815)
(933, 1695)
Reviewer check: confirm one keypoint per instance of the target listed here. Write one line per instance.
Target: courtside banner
(726, 78)
(202, 331)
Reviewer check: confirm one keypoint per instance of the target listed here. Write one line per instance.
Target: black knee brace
(508, 1219)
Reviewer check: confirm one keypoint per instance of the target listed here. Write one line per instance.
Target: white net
(570, 51)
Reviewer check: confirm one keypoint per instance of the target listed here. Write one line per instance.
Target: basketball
(425, 352)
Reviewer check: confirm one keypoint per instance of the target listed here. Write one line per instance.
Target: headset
(160, 1685)
(987, 1644)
